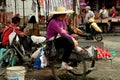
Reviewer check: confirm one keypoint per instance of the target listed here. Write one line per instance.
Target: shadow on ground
(62, 77)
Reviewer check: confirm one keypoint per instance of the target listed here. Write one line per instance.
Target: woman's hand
(74, 35)
(75, 42)
(63, 31)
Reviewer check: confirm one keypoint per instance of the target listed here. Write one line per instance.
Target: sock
(78, 49)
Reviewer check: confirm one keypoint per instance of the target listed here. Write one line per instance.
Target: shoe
(66, 66)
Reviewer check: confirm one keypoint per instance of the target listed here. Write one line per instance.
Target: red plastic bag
(102, 53)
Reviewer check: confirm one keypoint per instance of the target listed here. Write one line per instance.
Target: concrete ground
(103, 68)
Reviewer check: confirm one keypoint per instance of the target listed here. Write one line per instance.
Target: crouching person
(56, 26)
(14, 26)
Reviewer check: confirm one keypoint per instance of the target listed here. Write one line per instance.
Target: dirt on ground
(104, 69)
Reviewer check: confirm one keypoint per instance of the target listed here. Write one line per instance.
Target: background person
(14, 26)
(89, 14)
(9, 29)
(103, 13)
(113, 12)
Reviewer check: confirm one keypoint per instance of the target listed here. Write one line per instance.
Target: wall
(19, 7)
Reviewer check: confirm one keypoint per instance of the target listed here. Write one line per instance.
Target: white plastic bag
(11, 37)
(35, 54)
(90, 51)
(43, 59)
(38, 39)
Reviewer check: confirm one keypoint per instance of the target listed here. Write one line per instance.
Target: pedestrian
(89, 14)
(57, 28)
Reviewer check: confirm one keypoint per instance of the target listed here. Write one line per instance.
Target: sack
(96, 27)
(41, 60)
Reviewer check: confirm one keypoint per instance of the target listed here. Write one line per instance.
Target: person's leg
(93, 32)
(87, 28)
(67, 45)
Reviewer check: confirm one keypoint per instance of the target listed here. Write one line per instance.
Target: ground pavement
(103, 69)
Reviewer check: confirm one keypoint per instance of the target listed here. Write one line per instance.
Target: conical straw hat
(61, 10)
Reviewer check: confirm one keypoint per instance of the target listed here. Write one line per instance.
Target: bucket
(16, 73)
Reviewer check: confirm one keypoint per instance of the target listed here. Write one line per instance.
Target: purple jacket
(55, 26)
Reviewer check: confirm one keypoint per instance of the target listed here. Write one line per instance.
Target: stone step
(84, 43)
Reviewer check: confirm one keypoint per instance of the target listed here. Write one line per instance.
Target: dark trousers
(88, 30)
(66, 44)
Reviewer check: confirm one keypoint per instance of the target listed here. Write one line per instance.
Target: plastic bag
(41, 60)
(36, 53)
(91, 51)
(38, 39)
(102, 53)
(11, 37)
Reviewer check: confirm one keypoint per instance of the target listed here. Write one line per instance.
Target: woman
(57, 25)
(103, 13)
(113, 12)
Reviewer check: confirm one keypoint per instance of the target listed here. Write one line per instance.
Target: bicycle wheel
(79, 66)
(89, 65)
(83, 66)
(7, 59)
(55, 70)
(99, 37)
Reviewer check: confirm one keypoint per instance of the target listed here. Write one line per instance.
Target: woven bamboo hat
(87, 7)
(61, 10)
